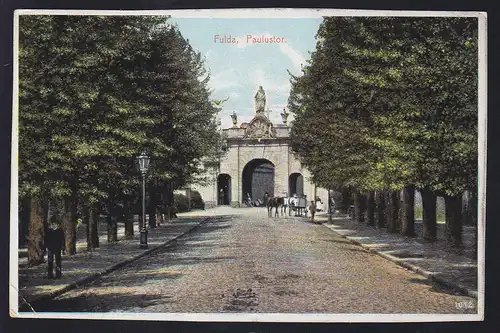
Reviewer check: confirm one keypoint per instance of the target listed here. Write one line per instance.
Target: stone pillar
(235, 186)
(238, 179)
(280, 171)
(288, 171)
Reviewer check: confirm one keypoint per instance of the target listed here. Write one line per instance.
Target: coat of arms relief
(260, 128)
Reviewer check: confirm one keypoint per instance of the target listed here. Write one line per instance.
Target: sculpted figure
(260, 100)
(284, 116)
(235, 118)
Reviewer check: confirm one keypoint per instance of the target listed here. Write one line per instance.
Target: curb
(429, 275)
(87, 279)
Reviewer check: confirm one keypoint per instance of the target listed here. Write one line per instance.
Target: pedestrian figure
(248, 200)
(319, 204)
(221, 197)
(54, 242)
(312, 208)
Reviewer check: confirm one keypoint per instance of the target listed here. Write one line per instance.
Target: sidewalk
(456, 270)
(86, 266)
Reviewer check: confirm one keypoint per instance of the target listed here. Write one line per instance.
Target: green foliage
(181, 203)
(387, 102)
(196, 200)
(95, 92)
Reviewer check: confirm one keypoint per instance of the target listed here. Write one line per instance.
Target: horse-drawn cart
(297, 205)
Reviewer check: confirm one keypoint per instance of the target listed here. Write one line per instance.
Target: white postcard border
(259, 317)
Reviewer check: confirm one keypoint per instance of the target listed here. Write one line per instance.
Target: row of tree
(389, 105)
(94, 93)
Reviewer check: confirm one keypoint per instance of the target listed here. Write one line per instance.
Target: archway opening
(224, 189)
(296, 184)
(257, 179)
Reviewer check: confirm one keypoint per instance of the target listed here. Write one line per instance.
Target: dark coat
(54, 239)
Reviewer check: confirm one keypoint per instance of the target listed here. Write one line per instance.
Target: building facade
(258, 159)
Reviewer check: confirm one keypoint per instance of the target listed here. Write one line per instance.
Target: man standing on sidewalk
(54, 242)
(312, 208)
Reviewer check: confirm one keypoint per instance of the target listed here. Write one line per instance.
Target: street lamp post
(143, 167)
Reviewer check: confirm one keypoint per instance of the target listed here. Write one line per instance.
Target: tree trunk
(111, 222)
(362, 213)
(380, 209)
(465, 206)
(453, 209)
(86, 221)
(370, 208)
(168, 213)
(389, 212)
(129, 222)
(36, 232)
(392, 211)
(45, 207)
(112, 231)
(468, 208)
(69, 223)
(346, 200)
(112, 228)
(152, 209)
(356, 214)
(24, 221)
(169, 196)
(429, 214)
(94, 227)
(408, 220)
(474, 218)
(161, 208)
(152, 219)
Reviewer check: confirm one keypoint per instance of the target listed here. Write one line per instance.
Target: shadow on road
(93, 302)
(159, 265)
(435, 287)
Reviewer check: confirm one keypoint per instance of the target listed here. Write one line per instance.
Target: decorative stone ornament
(235, 119)
(284, 116)
(260, 127)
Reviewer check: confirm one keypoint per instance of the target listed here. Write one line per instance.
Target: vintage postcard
(272, 165)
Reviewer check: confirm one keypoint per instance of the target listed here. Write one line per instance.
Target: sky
(238, 69)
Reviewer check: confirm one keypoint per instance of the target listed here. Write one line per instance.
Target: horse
(287, 204)
(276, 202)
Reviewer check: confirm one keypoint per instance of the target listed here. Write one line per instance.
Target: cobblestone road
(250, 263)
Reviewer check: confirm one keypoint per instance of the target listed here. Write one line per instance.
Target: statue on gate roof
(260, 101)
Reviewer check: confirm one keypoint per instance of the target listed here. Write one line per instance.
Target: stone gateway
(258, 159)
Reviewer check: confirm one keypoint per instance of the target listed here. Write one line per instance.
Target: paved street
(251, 263)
